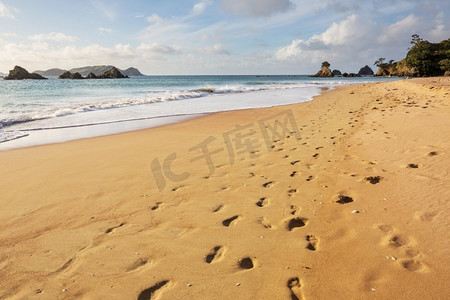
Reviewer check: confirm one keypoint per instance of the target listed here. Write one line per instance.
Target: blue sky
(214, 36)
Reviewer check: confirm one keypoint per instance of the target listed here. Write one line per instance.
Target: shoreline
(341, 190)
(149, 114)
(105, 128)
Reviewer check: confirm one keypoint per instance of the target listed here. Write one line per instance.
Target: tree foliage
(415, 39)
(326, 64)
(445, 64)
(429, 59)
(380, 63)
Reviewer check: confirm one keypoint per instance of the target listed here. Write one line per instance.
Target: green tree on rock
(326, 64)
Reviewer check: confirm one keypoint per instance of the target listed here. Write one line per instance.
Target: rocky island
(365, 71)
(111, 74)
(325, 71)
(19, 73)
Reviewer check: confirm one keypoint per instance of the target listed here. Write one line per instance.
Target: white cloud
(53, 37)
(6, 12)
(217, 49)
(104, 30)
(439, 32)
(400, 30)
(350, 32)
(157, 51)
(157, 48)
(155, 19)
(200, 7)
(256, 8)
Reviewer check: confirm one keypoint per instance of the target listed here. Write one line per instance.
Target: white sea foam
(151, 97)
(6, 136)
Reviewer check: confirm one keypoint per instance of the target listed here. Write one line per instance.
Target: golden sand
(355, 205)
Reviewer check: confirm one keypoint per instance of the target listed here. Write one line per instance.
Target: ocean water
(54, 110)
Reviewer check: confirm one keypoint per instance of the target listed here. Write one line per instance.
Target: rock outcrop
(350, 75)
(365, 71)
(337, 73)
(325, 71)
(113, 73)
(76, 76)
(91, 76)
(19, 73)
(101, 69)
(131, 72)
(399, 68)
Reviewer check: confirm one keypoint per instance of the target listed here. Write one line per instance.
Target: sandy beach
(343, 197)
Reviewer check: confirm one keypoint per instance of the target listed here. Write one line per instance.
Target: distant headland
(89, 72)
(84, 71)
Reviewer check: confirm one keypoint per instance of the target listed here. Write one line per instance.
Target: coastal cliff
(399, 68)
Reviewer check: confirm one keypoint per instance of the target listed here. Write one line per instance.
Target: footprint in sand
(412, 265)
(154, 292)
(293, 174)
(246, 263)
(412, 166)
(156, 206)
(230, 221)
(294, 210)
(177, 188)
(110, 230)
(291, 192)
(266, 223)
(427, 216)
(262, 202)
(397, 241)
(218, 208)
(215, 255)
(433, 153)
(268, 184)
(294, 162)
(138, 264)
(295, 287)
(295, 223)
(411, 252)
(343, 199)
(373, 179)
(385, 228)
(312, 242)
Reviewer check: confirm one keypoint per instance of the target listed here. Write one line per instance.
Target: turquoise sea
(118, 105)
